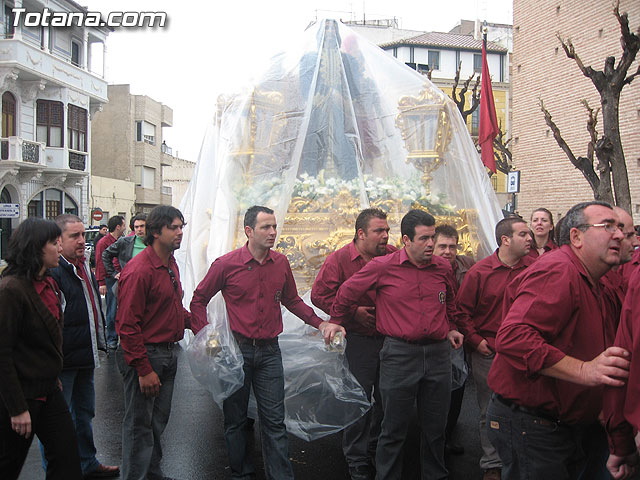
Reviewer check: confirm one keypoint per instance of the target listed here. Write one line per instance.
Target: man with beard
(150, 320)
(363, 348)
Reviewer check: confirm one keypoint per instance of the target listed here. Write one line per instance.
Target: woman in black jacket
(31, 356)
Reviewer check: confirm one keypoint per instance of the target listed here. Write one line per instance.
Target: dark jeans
(145, 418)
(112, 306)
(411, 374)
(532, 447)
(51, 422)
(262, 371)
(78, 391)
(359, 439)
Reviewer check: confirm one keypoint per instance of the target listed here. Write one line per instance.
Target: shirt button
(261, 295)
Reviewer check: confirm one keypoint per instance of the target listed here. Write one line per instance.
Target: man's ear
(576, 236)
(248, 230)
(360, 233)
(405, 239)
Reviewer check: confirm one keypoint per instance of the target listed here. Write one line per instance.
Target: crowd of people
(547, 324)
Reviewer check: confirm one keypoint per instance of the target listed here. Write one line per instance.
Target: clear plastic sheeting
(334, 125)
(214, 356)
(459, 368)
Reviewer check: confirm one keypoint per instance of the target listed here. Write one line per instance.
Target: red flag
(488, 121)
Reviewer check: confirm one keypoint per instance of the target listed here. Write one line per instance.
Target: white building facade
(49, 94)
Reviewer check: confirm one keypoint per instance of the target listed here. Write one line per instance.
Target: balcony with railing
(77, 160)
(166, 157)
(16, 149)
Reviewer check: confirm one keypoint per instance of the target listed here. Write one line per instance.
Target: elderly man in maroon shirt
(415, 309)
(552, 361)
(363, 348)
(150, 320)
(254, 281)
(480, 314)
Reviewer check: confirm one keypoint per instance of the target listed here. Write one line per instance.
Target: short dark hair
(365, 216)
(446, 231)
(504, 228)
(62, 220)
(412, 219)
(574, 218)
(115, 222)
(24, 250)
(102, 225)
(136, 218)
(251, 216)
(161, 216)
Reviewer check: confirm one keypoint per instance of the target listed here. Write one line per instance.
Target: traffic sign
(97, 214)
(9, 210)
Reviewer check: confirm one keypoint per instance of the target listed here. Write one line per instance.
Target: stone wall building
(541, 70)
(128, 147)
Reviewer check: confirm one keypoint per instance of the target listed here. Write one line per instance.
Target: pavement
(193, 442)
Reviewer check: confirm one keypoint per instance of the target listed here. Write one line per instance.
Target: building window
(145, 177)
(8, 115)
(395, 52)
(475, 122)
(411, 56)
(477, 62)
(145, 132)
(49, 123)
(75, 53)
(422, 68)
(434, 60)
(77, 128)
(9, 29)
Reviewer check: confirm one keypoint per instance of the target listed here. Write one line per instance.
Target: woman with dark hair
(31, 356)
(542, 232)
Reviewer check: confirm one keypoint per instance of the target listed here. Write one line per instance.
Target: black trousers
(51, 422)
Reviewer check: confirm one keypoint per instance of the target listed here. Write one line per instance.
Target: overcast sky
(209, 48)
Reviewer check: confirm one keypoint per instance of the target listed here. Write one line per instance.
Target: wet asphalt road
(194, 446)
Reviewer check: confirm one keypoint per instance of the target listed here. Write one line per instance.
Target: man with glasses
(552, 358)
(150, 320)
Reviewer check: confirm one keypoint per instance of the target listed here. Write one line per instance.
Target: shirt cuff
(143, 367)
(474, 340)
(621, 440)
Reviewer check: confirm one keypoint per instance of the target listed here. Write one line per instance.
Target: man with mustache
(415, 310)
(552, 358)
(363, 348)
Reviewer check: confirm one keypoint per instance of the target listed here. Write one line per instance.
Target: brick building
(541, 70)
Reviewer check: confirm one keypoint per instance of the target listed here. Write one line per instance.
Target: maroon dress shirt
(621, 407)
(533, 251)
(252, 292)
(628, 269)
(102, 245)
(149, 307)
(412, 303)
(48, 290)
(554, 311)
(338, 267)
(480, 298)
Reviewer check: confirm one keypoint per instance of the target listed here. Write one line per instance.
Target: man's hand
(608, 368)
(484, 349)
(117, 276)
(102, 289)
(21, 424)
(622, 467)
(150, 384)
(366, 316)
(328, 331)
(455, 338)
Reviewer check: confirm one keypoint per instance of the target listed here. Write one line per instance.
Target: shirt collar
(354, 253)
(404, 258)
(496, 263)
(246, 257)
(155, 260)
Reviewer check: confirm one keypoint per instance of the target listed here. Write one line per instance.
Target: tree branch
(596, 77)
(581, 163)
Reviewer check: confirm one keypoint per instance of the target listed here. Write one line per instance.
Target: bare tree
(502, 152)
(459, 96)
(608, 148)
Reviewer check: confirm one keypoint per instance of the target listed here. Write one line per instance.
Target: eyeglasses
(609, 227)
(174, 281)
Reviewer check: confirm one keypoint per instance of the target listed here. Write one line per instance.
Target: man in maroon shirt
(480, 314)
(446, 246)
(254, 281)
(106, 282)
(150, 320)
(552, 361)
(415, 309)
(363, 348)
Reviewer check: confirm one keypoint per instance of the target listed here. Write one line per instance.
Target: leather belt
(163, 345)
(419, 341)
(536, 412)
(256, 342)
